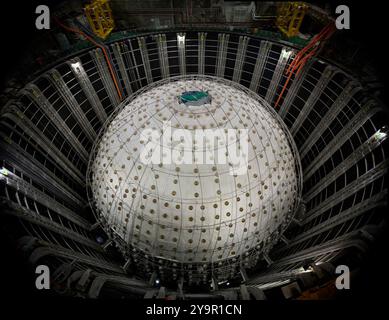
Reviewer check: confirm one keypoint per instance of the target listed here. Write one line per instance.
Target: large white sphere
(195, 213)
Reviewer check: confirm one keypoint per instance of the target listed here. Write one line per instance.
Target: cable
(305, 54)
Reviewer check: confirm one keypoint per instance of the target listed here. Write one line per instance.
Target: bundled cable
(304, 55)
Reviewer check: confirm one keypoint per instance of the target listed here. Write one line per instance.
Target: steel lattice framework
(48, 132)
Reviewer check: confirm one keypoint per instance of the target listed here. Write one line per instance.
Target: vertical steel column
(57, 81)
(16, 210)
(132, 66)
(101, 64)
(33, 92)
(361, 182)
(39, 196)
(87, 88)
(117, 51)
(242, 47)
(325, 78)
(201, 52)
(181, 55)
(24, 162)
(375, 201)
(263, 53)
(337, 244)
(145, 58)
(222, 54)
(277, 75)
(293, 90)
(340, 102)
(366, 112)
(358, 154)
(163, 55)
(13, 113)
(48, 249)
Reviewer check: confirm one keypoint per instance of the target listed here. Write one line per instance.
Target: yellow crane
(290, 15)
(99, 16)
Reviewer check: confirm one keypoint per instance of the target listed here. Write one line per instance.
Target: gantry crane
(99, 16)
(290, 15)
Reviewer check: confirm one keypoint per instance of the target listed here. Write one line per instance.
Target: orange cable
(313, 43)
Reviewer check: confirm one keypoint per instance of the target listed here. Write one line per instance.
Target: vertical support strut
(277, 75)
(145, 59)
(13, 113)
(375, 201)
(56, 79)
(361, 182)
(366, 112)
(24, 162)
(201, 52)
(118, 53)
(163, 55)
(222, 54)
(87, 88)
(33, 92)
(325, 78)
(340, 102)
(358, 154)
(40, 197)
(260, 65)
(40, 220)
(293, 90)
(97, 56)
(240, 56)
(133, 69)
(181, 53)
